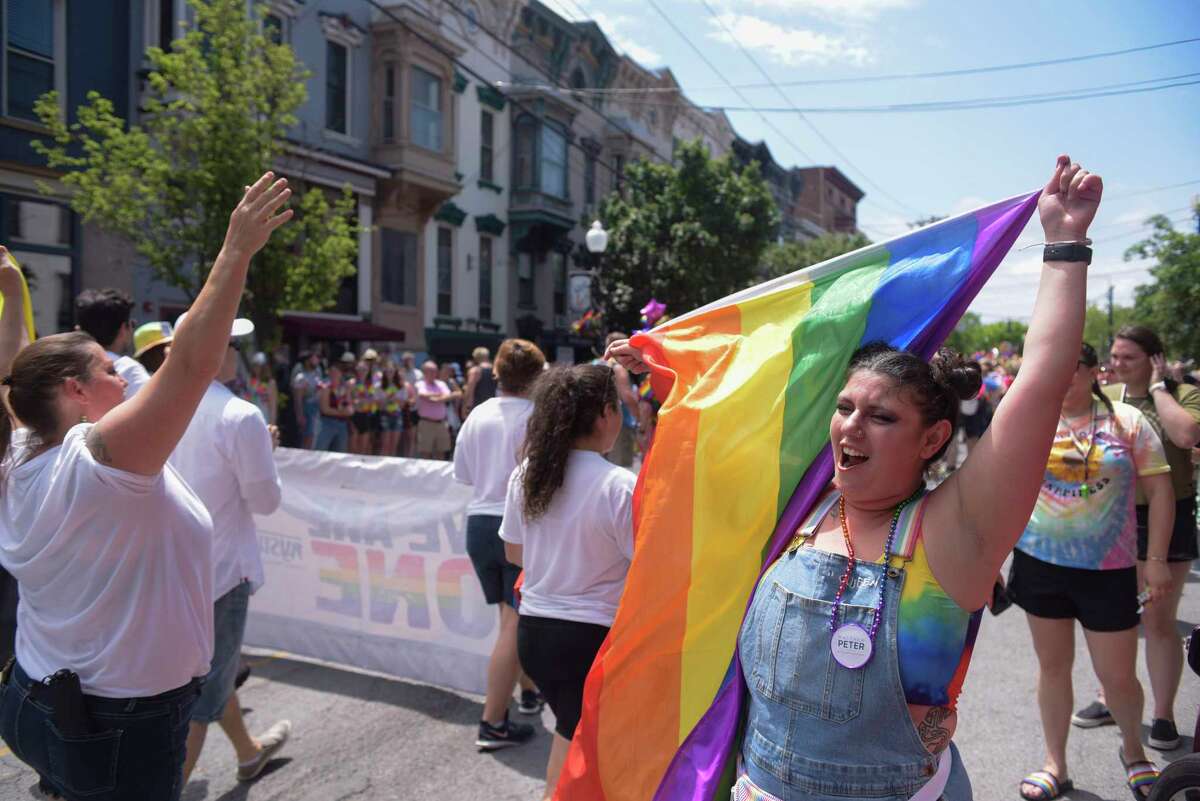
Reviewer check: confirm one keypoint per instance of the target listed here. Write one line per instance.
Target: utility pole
(1110, 314)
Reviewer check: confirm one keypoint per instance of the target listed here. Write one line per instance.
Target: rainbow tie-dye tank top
(935, 636)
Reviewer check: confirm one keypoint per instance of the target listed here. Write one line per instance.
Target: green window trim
(489, 185)
(450, 213)
(460, 83)
(490, 224)
(490, 96)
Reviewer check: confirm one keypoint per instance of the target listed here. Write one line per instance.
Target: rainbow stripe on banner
(740, 455)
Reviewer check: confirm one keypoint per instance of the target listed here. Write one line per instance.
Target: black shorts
(1101, 600)
(557, 655)
(365, 422)
(1183, 536)
(496, 574)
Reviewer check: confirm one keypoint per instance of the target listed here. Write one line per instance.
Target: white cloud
(788, 46)
(841, 10)
(614, 27)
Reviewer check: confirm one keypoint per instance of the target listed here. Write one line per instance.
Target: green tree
(972, 335)
(1171, 305)
(1096, 329)
(686, 234)
(783, 258)
(215, 111)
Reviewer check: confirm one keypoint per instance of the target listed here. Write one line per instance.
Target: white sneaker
(271, 741)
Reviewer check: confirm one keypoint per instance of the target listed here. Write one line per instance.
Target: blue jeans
(229, 626)
(138, 753)
(332, 435)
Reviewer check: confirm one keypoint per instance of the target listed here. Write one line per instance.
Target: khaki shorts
(433, 437)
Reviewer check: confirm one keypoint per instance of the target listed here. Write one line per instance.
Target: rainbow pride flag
(740, 455)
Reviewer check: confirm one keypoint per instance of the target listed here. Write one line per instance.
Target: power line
(912, 75)
(1002, 101)
(844, 158)
(1151, 190)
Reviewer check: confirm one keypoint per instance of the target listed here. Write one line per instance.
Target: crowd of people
(854, 649)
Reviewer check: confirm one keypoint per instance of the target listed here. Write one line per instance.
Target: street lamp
(580, 290)
(597, 238)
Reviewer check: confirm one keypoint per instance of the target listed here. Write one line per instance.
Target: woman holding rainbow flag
(858, 637)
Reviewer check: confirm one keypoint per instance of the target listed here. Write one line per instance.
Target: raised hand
(1069, 201)
(251, 223)
(627, 356)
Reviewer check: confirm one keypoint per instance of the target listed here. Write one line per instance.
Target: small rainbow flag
(741, 454)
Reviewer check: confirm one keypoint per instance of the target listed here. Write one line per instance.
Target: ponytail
(567, 402)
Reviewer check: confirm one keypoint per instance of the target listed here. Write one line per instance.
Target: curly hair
(936, 386)
(567, 403)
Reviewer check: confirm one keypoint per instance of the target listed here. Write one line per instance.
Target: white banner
(366, 566)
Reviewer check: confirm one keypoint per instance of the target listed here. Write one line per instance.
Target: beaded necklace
(851, 644)
(1086, 454)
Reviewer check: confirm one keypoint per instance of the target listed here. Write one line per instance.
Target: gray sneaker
(1093, 715)
(271, 741)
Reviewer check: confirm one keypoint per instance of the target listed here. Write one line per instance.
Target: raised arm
(1180, 424)
(139, 434)
(13, 335)
(986, 504)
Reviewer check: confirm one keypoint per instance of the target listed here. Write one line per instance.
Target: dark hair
(37, 372)
(518, 364)
(1150, 344)
(153, 357)
(1088, 358)
(102, 312)
(936, 387)
(567, 402)
(614, 336)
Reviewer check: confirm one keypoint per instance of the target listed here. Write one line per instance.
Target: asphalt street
(359, 736)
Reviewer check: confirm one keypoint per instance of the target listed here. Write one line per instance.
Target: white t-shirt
(115, 570)
(488, 450)
(132, 371)
(225, 456)
(576, 555)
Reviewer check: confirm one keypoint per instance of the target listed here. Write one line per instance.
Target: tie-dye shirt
(1096, 530)
(934, 636)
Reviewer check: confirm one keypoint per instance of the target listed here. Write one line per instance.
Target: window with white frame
(342, 37)
(337, 87)
(388, 134)
(425, 116)
(445, 271)
(34, 53)
(486, 146)
(485, 278)
(553, 160)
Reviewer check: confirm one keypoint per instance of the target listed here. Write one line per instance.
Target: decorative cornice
(340, 29)
(490, 186)
(490, 224)
(490, 96)
(450, 213)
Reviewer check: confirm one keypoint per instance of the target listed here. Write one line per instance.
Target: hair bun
(962, 375)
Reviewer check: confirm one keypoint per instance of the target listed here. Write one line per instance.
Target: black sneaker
(532, 702)
(242, 674)
(1093, 715)
(506, 734)
(1163, 735)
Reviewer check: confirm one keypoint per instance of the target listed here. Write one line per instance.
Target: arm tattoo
(933, 733)
(95, 444)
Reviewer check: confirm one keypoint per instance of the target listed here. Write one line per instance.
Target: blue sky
(947, 162)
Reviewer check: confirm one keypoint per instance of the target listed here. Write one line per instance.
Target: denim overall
(817, 731)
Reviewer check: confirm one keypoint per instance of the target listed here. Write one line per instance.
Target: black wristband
(1067, 252)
